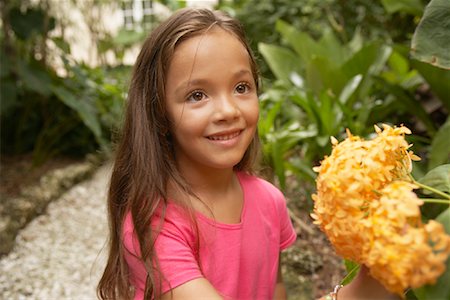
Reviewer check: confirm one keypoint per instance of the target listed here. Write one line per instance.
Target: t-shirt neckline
(229, 225)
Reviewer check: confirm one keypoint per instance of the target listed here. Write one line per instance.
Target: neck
(218, 193)
(210, 180)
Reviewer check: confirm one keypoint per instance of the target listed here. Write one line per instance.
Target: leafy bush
(346, 18)
(42, 111)
(327, 86)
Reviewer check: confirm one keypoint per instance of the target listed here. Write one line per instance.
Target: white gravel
(59, 254)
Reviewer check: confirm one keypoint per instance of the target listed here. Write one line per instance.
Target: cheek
(252, 113)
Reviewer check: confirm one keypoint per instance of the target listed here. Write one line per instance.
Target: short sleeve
(176, 258)
(287, 231)
(176, 254)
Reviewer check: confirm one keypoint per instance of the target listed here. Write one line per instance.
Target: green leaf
(444, 219)
(438, 80)
(438, 178)
(128, 38)
(302, 43)
(352, 270)
(431, 40)
(399, 64)
(330, 114)
(35, 78)
(333, 48)
(62, 44)
(440, 146)
(369, 60)
(281, 142)
(349, 89)
(321, 76)
(282, 61)
(86, 112)
(414, 7)
(267, 122)
(300, 168)
(440, 290)
(25, 24)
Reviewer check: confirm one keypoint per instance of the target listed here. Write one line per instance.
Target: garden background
(326, 65)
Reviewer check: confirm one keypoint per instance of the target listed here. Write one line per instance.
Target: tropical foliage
(48, 109)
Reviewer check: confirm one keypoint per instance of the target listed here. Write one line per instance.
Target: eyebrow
(186, 84)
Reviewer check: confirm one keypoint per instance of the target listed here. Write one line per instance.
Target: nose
(226, 108)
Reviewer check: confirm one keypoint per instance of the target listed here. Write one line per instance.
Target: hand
(365, 287)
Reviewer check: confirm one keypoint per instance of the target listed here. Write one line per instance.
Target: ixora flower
(366, 205)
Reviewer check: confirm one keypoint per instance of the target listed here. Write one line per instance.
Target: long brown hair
(144, 161)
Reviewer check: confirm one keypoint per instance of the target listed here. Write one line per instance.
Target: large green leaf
(349, 89)
(414, 7)
(440, 290)
(281, 141)
(440, 146)
(26, 23)
(431, 40)
(370, 59)
(321, 76)
(438, 178)
(35, 78)
(333, 49)
(301, 42)
(86, 112)
(282, 61)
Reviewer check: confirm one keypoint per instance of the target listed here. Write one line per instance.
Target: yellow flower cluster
(366, 206)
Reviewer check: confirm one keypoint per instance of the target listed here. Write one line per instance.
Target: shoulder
(170, 221)
(259, 186)
(262, 193)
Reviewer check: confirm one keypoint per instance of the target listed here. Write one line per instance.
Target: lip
(224, 135)
(228, 137)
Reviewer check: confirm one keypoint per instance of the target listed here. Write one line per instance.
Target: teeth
(224, 137)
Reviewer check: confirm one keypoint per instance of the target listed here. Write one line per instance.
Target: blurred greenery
(47, 113)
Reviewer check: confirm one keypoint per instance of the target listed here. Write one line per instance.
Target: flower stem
(433, 200)
(437, 192)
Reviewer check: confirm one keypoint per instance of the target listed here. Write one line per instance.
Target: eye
(196, 96)
(242, 88)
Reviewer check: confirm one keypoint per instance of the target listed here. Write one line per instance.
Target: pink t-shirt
(239, 260)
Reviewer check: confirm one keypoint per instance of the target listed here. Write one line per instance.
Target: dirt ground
(17, 172)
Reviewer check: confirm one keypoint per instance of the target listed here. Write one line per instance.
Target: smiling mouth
(224, 137)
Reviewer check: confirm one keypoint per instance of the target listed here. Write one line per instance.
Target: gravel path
(58, 255)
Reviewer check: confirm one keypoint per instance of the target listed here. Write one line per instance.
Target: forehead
(216, 47)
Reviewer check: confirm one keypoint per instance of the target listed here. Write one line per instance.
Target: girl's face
(211, 100)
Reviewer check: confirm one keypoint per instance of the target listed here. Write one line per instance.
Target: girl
(188, 220)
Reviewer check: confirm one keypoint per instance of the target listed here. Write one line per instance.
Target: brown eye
(196, 96)
(242, 88)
